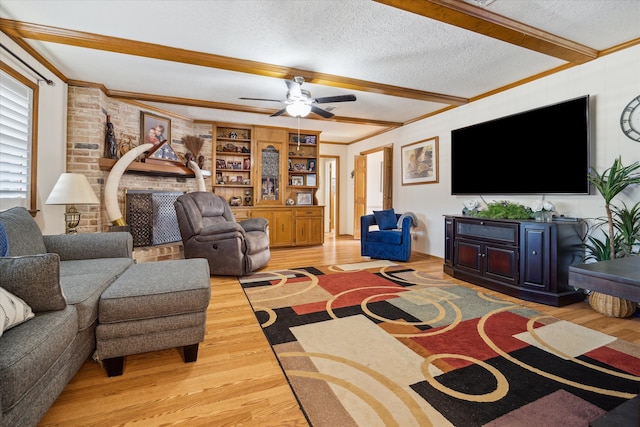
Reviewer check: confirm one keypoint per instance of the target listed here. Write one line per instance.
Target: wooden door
(332, 197)
(387, 178)
(360, 192)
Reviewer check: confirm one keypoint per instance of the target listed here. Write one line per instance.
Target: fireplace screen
(151, 217)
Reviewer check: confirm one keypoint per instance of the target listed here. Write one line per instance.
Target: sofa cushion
(80, 267)
(90, 245)
(83, 281)
(157, 289)
(386, 219)
(13, 311)
(35, 279)
(29, 350)
(391, 237)
(23, 234)
(83, 291)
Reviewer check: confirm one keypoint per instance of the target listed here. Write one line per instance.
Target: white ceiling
(346, 39)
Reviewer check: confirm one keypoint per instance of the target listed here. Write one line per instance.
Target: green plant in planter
(623, 225)
(503, 210)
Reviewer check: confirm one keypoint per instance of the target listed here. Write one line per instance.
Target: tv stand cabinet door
(538, 262)
(501, 264)
(469, 256)
(448, 242)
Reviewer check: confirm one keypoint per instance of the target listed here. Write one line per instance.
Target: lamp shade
(298, 109)
(72, 189)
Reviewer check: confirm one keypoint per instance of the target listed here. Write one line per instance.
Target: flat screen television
(541, 151)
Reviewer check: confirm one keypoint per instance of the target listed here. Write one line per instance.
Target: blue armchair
(388, 242)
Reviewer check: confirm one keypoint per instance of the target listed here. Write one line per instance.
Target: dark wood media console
(525, 259)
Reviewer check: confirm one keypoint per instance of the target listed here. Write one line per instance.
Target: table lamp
(72, 189)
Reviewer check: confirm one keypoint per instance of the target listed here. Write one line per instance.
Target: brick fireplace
(87, 111)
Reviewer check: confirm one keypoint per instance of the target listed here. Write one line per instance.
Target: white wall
(612, 81)
(52, 123)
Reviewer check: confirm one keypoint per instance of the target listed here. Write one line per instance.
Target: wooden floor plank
(237, 380)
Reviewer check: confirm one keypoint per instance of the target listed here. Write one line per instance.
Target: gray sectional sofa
(61, 278)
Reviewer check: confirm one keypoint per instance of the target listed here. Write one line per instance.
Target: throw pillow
(13, 311)
(35, 279)
(386, 219)
(4, 242)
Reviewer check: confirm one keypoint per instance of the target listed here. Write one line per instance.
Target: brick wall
(87, 111)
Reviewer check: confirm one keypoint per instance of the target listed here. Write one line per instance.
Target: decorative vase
(543, 216)
(611, 306)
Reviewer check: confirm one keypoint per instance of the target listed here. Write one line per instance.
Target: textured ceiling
(353, 39)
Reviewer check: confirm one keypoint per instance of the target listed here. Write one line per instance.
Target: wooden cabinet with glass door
(270, 170)
(233, 163)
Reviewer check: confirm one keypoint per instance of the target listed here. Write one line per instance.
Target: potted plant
(622, 233)
(623, 224)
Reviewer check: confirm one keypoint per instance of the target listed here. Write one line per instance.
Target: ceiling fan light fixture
(298, 109)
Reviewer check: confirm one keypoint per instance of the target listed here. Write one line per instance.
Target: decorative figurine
(110, 144)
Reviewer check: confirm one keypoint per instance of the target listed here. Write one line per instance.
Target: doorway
(373, 183)
(328, 194)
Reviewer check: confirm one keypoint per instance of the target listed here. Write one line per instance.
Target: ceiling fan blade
(277, 113)
(294, 88)
(339, 98)
(319, 111)
(261, 99)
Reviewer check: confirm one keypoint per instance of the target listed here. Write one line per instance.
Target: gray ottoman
(153, 306)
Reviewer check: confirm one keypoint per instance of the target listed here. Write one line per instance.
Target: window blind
(16, 101)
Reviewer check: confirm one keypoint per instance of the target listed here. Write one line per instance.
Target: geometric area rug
(391, 346)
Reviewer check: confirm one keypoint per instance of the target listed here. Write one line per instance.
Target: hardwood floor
(236, 380)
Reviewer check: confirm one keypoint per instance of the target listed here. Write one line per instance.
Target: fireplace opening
(151, 217)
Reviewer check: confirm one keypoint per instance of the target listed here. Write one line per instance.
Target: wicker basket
(611, 306)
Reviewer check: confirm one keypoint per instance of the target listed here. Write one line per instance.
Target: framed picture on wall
(420, 162)
(154, 129)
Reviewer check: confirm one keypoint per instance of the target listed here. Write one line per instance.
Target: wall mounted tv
(540, 151)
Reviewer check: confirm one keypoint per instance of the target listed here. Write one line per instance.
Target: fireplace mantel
(154, 169)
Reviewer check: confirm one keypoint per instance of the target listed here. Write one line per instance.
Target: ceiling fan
(299, 102)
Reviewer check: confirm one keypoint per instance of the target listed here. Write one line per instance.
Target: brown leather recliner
(209, 230)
